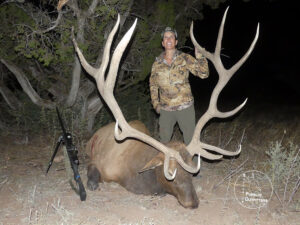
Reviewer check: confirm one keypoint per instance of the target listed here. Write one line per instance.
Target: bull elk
(135, 163)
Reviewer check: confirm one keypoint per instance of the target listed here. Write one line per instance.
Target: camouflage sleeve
(154, 89)
(198, 67)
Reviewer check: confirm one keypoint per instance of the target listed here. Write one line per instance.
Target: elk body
(137, 166)
(170, 170)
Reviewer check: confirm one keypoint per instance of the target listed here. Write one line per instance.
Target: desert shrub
(283, 168)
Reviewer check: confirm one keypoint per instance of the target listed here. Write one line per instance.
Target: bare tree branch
(12, 1)
(55, 24)
(25, 84)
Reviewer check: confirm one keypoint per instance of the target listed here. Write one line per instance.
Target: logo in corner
(253, 189)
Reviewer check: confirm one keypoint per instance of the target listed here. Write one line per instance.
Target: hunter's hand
(157, 109)
(198, 54)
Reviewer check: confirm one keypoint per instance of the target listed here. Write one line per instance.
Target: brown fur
(137, 166)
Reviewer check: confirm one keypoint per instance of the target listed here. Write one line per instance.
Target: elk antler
(196, 146)
(106, 87)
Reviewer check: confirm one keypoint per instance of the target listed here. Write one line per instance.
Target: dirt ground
(28, 196)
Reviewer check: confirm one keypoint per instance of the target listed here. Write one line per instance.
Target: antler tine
(205, 53)
(172, 176)
(166, 169)
(187, 167)
(112, 76)
(115, 61)
(105, 56)
(196, 146)
(99, 73)
(88, 68)
(235, 67)
(220, 34)
(221, 151)
(232, 112)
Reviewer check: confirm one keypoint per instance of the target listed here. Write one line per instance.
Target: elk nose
(194, 204)
(191, 204)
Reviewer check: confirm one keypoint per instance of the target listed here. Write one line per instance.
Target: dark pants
(185, 119)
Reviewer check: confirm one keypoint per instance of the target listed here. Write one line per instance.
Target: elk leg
(94, 177)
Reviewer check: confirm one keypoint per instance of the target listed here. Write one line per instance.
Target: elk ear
(158, 160)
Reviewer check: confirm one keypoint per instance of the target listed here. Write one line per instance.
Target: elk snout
(189, 199)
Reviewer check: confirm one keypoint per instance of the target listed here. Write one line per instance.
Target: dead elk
(137, 166)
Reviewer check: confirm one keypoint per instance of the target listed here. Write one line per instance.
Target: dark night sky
(270, 74)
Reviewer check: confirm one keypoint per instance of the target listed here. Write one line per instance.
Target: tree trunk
(90, 106)
(77, 66)
(95, 104)
(81, 22)
(25, 84)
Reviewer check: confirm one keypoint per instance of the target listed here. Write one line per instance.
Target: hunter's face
(169, 41)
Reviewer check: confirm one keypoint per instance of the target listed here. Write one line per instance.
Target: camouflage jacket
(169, 84)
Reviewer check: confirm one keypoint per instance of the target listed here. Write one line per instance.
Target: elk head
(106, 86)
